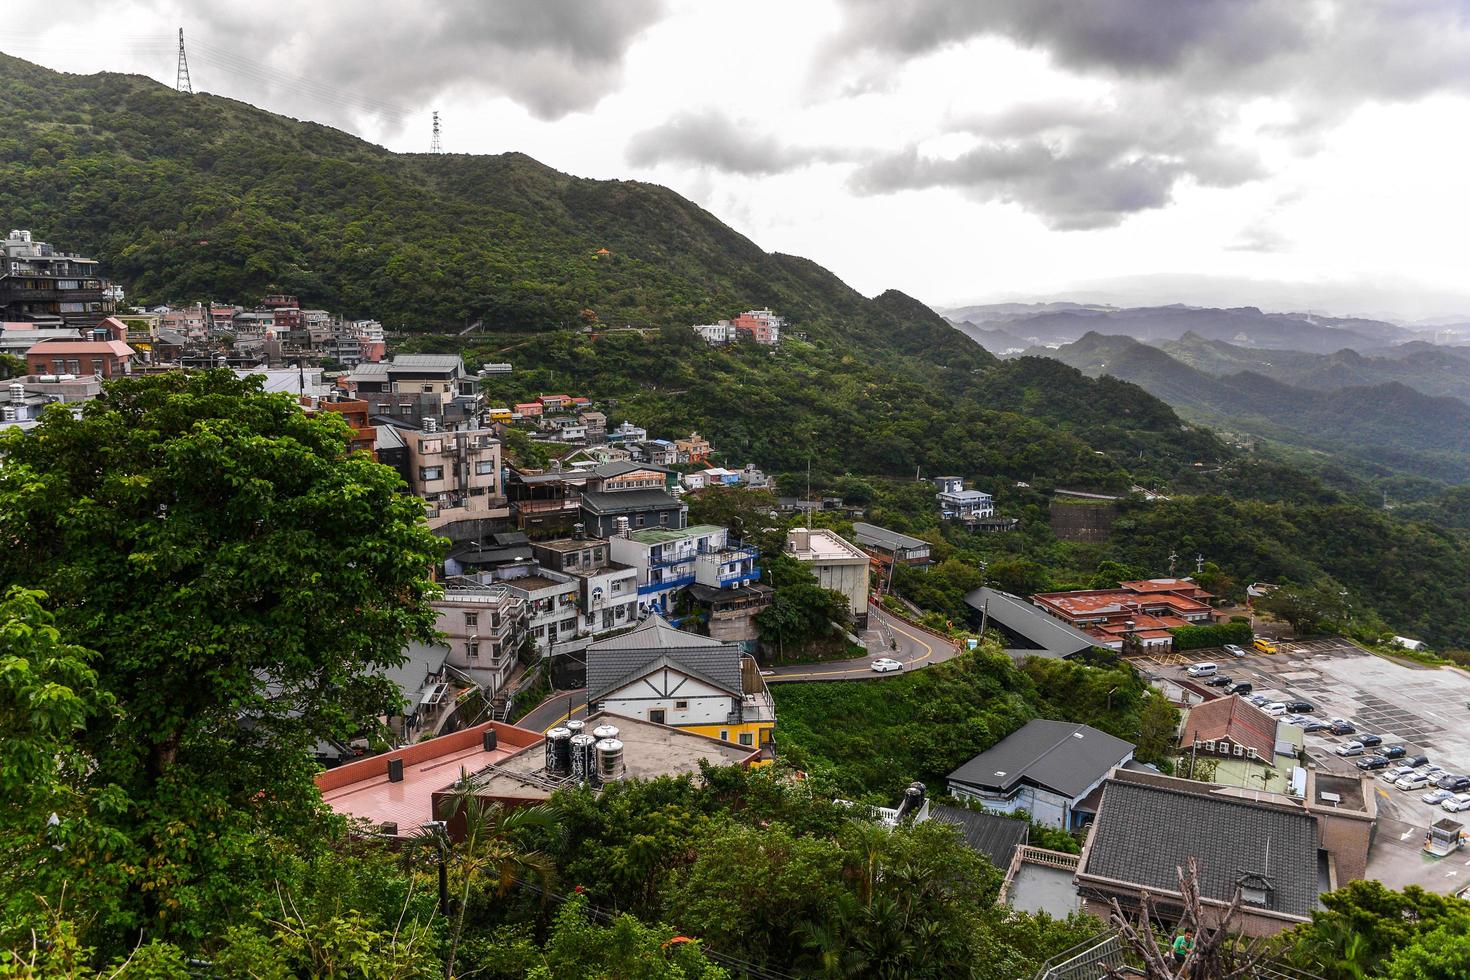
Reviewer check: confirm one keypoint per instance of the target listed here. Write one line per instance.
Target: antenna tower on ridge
(435, 147)
(183, 83)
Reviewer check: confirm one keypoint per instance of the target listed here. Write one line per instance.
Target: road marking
(895, 626)
(1406, 834)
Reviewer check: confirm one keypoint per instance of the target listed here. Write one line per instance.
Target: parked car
(1436, 796)
(1219, 680)
(1264, 645)
(1300, 705)
(1296, 719)
(1393, 752)
(1372, 762)
(885, 664)
(1205, 669)
(1349, 749)
(1453, 783)
(1340, 726)
(1275, 709)
(1396, 773)
(1234, 650)
(1315, 725)
(1415, 761)
(1370, 740)
(1456, 803)
(1414, 780)
(1243, 688)
(1259, 700)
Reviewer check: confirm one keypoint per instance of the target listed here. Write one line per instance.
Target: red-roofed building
(1136, 615)
(555, 403)
(395, 791)
(105, 354)
(528, 410)
(1222, 726)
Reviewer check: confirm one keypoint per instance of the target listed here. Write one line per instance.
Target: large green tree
(244, 580)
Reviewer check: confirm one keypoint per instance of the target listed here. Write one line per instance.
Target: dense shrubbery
(1198, 637)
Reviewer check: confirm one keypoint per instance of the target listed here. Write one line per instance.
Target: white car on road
(884, 664)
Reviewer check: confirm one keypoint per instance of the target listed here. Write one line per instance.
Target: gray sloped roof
(885, 538)
(611, 662)
(994, 836)
(660, 663)
(1058, 755)
(434, 362)
(601, 502)
(420, 660)
(621, 466)
(1032, 631)
(1144, 832)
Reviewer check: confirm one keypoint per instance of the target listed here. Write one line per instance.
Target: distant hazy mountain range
(1009, 327)
(1405, 409)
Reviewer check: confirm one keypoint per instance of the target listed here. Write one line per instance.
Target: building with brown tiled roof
(1227, 724)
(1137, 615)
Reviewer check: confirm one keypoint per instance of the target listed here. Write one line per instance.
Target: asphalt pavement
(916, 649)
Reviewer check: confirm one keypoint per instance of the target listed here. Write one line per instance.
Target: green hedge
(1195, 637)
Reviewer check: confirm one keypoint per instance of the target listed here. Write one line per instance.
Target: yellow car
(1265, 645)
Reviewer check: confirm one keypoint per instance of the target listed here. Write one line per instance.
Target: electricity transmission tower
(435, 147)
(183, 84)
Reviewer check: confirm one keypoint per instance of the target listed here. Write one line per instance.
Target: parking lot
(1427, 710)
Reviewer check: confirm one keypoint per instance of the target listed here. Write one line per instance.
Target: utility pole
(182, 82)
(434, 145)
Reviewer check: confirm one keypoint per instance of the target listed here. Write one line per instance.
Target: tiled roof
(599, 502)
(1231, 717)
(115, 347)
(435, 362)
(1057, 755)
(994, 836)
(611, 661)
(1144, 832)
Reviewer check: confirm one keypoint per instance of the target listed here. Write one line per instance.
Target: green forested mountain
(1428, 368)
(197, 197)
(1386, 424)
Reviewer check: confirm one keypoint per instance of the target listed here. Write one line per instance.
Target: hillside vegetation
(196, 197)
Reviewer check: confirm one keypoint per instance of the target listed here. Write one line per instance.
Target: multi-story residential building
(627, 434)
(667, 560)
(550, 501)
(596, 425)
(695, 449)
(354, 412)
(837, 564)
(666, 676)
(761, 326)
(722, 332)
(484, 625)
(659, 452)
(965, 505)
(456, 472)
(891, 547)
(527, 410)
(420, 379)
(551, 606)
(604, 511)
(1136, 615)
(38, 284)
(104, 354)
(607, 590)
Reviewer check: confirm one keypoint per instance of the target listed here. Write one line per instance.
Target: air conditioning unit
(1251, 753)
(1210, 745)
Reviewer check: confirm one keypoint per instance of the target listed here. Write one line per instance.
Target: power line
(183, 83)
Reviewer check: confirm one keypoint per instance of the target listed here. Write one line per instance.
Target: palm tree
(488, 849)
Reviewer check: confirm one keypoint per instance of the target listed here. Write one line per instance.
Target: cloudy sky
(1294, 153)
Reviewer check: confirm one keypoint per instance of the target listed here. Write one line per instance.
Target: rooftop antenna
(1173, 557)
(183, 83)
(434, 146)
(1199, 563)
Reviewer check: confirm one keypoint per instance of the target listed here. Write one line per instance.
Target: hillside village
(595, 623)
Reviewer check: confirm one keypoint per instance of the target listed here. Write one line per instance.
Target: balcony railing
(746, 575)
(667, 561)
(677, 582)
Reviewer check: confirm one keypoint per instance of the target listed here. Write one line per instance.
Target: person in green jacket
(1183, 945)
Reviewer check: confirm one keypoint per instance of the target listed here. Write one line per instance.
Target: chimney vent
(489, 740)
(395, 770)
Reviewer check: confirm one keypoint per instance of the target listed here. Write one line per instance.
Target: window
(681, 705)
(663, 518)
(405, 409)
(427, 473)
(472, 649)
(724, 735)
(472, 619)
(571, 561)
(428, 389)
(638, 520)
(746, 738)
(656, 715)
(382, 409)
(485, 467)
